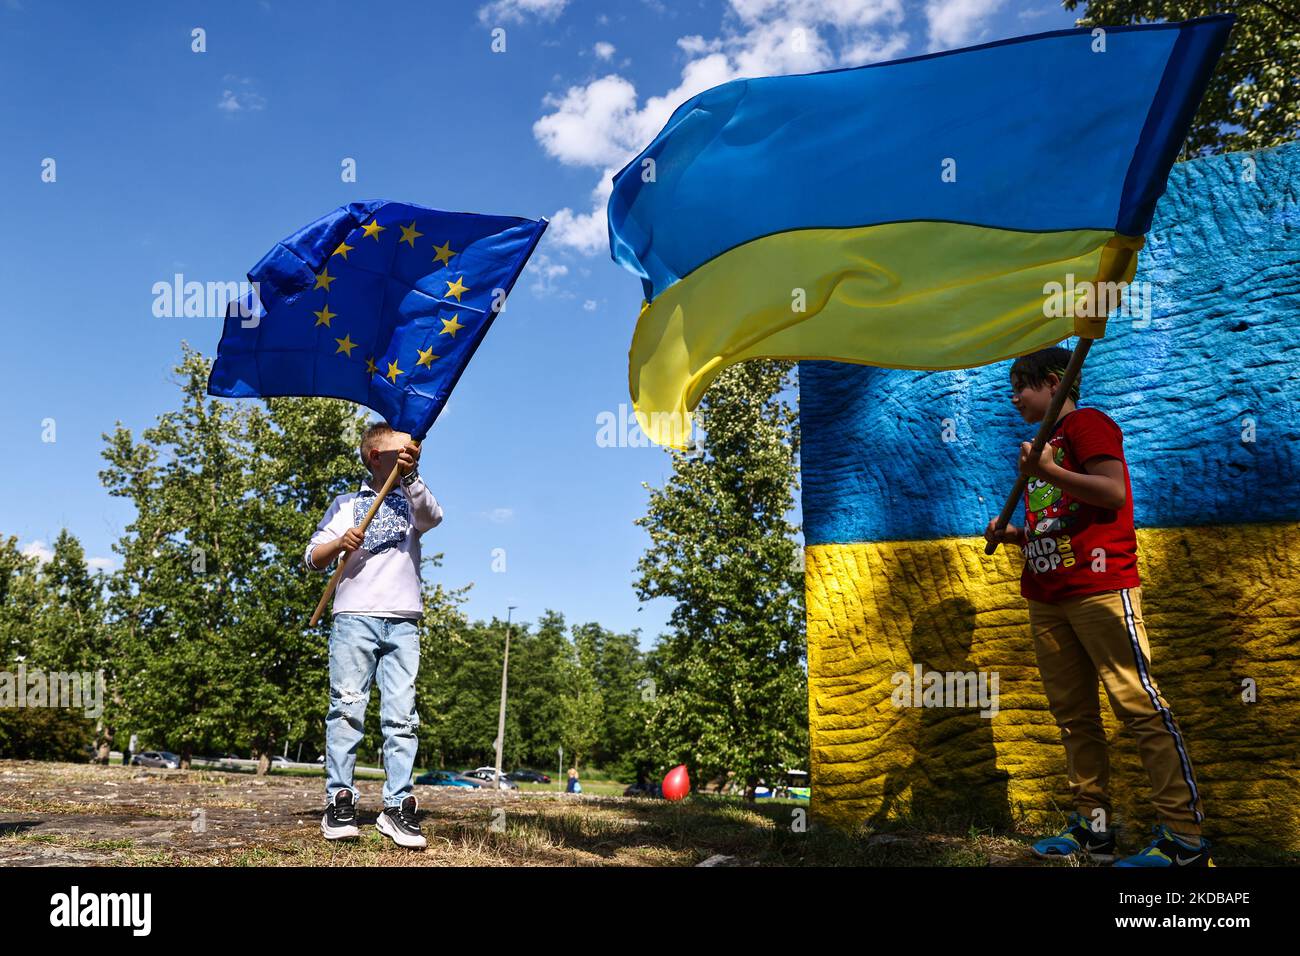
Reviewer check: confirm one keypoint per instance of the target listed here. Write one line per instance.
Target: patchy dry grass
(79, 814)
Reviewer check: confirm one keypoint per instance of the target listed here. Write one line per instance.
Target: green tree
(459, 694)
(1253, 100)
(616, 669)
(539, 685)
(583, 708)
(20, 600)
(49, 620)
(67, 629)
(209, 610)
(730, 686)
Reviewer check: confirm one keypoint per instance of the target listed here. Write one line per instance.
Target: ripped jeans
(362, 646)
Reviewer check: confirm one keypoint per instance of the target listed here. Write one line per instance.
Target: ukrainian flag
(915, 214)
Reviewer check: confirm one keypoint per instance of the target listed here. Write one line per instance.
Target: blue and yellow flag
(942, 211)
(382, 303)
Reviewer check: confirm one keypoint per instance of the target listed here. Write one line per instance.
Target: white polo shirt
(382, 578)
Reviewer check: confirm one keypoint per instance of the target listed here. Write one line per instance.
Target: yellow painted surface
(1222, 606)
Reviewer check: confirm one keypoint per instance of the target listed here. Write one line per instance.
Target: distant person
(130, 749)
(377, 608)
(574, 786)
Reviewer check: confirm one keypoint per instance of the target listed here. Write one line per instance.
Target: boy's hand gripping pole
(1044, 430)
(365, 523)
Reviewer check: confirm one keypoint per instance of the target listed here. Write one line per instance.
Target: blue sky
(169, 160)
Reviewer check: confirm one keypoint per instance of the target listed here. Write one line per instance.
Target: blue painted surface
(1222, 344)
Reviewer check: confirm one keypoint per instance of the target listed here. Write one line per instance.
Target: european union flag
(381, 303)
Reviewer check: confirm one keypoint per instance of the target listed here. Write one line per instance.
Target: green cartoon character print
(1045, 507)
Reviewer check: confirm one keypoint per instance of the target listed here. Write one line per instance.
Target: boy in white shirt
(377, 608)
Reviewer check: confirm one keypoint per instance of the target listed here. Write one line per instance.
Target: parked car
(794, 785)
(280, 763)
(644, 790)
(529, 776)
(449, 778)
(489, 774)
(157, 758)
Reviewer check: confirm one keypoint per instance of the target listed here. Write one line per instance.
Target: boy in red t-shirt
(1085, 615)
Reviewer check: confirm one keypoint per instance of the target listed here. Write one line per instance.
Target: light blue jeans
(362, 646)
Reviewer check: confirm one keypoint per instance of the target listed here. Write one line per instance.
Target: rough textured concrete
(1222, 344)
(896, 575)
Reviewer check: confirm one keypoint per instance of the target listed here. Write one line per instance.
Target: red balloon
(677, 784)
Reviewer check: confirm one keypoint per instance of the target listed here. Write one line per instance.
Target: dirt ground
(80, 814)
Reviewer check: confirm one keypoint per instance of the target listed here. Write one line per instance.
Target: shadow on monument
(952, 781)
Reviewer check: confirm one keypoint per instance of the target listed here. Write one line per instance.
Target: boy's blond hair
(375, 435)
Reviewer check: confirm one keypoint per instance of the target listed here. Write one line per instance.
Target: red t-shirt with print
(1066, 538)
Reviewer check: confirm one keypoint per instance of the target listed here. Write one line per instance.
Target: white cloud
(604, 123)
(101, 564)
(500, 515)
(240, 95)
(955, 23)
(585, 232)
(589, 305)
(1033, 13)
(544, 271)
(590, 125)
(603, 50)
(517, 11)
(39, 550)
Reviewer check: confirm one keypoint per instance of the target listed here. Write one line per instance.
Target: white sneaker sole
(1098, 857)
(338, 833)
(397, 836)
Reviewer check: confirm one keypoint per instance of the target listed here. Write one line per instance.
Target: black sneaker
(1077, 839)
(1167, 849)
(340, 820)
(401, 825)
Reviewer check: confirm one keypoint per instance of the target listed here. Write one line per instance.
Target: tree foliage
(730, 685)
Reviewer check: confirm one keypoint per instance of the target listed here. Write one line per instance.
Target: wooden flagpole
(365, 523)
(1044, 432)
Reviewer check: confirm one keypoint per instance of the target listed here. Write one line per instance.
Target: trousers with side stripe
(1102, 637)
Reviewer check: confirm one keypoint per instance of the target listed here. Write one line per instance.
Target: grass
(75, 814)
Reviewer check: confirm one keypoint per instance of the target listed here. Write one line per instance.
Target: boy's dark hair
(1033, 369)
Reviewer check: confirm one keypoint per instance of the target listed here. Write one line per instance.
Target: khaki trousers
(1102, 637)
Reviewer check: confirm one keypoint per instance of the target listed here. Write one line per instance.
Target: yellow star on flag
(323, 279)
(373, 229)
(346, 345)
(409, 235)
(456, 289)
(427, 356)
(444, 253)
(342, 250)
(393, 372)
(370, 365)
(324, 315)
(451, 326)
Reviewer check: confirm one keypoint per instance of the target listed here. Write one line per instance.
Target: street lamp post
(501, 717)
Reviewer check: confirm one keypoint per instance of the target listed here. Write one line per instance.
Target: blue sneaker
(1169, 850)
(1077, 839)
